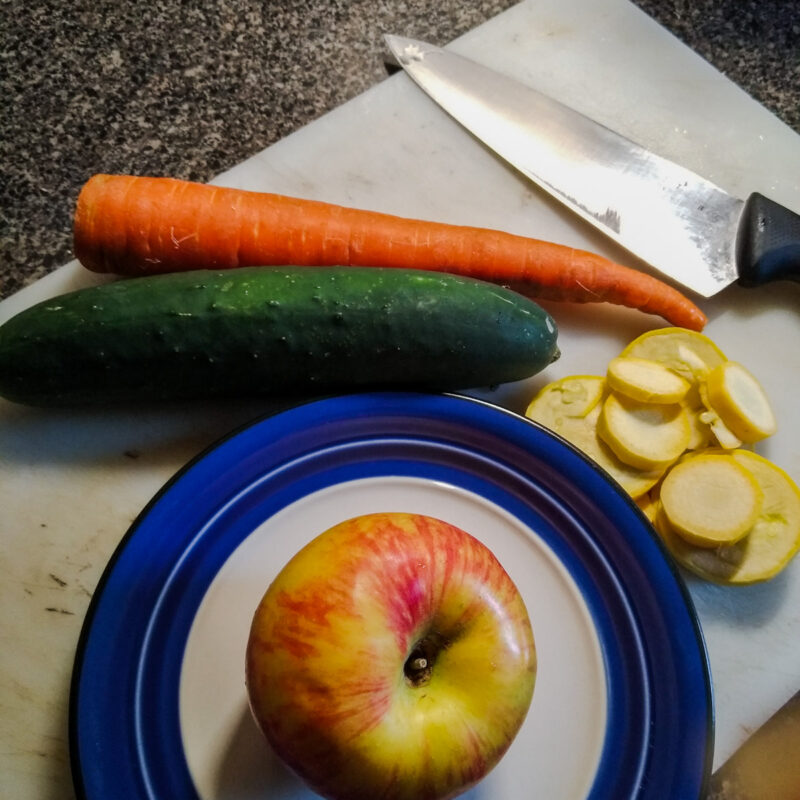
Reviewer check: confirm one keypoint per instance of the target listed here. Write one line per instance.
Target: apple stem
(419, 664)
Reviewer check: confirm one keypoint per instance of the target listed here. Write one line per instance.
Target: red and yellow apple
(391, 658)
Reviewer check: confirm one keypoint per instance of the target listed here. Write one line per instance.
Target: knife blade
(766, 766)
(676, 221)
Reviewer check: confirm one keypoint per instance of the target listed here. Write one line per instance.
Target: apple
(392, 657)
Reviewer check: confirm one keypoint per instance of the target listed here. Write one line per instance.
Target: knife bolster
(768, 242)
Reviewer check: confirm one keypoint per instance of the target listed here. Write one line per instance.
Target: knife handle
(768, 243)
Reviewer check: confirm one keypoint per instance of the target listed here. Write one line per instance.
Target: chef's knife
(676, 221)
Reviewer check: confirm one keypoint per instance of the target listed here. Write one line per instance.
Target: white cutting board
(71, 483)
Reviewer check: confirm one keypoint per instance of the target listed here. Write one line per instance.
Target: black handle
(767, 243)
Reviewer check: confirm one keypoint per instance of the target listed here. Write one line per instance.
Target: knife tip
(406, 49)
(393, 40)
(391, 60)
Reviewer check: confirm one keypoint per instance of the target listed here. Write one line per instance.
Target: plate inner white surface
(555, 754)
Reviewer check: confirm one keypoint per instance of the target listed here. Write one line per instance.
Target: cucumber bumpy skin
(279, 331)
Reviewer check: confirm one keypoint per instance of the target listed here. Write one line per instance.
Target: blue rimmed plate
(622, 706)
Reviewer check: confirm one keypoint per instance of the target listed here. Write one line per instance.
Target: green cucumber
(280, 331)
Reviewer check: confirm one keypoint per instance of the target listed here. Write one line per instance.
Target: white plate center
(555, 754)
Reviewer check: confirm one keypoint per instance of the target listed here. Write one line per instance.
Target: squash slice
(691, 355)
(711, 500)
(574, 396)
(646, 380)
(688, 354)
(769, 545)
(562, 407)
(647, 436)
(740, 401)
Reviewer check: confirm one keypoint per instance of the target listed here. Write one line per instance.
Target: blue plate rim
(389, 397)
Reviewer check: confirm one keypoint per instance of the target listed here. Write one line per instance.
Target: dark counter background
(189, 89)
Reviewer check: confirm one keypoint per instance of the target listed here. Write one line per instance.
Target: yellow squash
(768, 546)
(740, 401)
(571, 407)
(648, 436)
(646, 380)
(710, 499)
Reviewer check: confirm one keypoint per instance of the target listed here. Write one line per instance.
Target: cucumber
(280, 331)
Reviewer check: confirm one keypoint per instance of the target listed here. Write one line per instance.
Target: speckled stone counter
(190, 89)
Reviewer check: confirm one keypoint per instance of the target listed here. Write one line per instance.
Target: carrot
(137, 225)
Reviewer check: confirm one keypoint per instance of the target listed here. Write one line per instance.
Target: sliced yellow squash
(648, 436)
(711, 500)
(646, 380)
(574, 396)
(735, 394)
(561, 407)
(690, 354)
(634, 481)
(768, 546)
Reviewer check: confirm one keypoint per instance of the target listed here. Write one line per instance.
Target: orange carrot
(136, 226)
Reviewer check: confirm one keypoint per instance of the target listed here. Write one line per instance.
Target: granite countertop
(189, 90)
